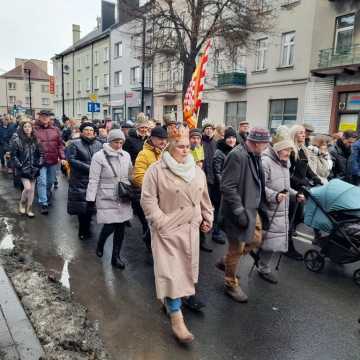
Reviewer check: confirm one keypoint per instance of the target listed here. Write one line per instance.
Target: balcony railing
(339, 57)
(231, 80)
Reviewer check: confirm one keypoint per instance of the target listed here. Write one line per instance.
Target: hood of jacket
(110, 151)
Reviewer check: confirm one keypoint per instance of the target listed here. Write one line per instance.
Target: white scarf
(186, 171)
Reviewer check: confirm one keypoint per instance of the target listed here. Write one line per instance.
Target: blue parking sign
(93, 107)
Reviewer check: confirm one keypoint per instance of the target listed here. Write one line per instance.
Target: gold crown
(178, 133)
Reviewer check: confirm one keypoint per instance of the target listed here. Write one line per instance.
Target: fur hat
(206, 125)
(115, 134)
(87, 124)
(169, 119)
(195, 132)
(281, 139)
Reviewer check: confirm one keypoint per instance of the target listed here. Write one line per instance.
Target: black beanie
(229, 132)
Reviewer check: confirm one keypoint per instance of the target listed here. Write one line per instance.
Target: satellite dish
(66, 67)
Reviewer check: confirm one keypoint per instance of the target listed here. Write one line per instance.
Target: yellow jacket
(147, 156)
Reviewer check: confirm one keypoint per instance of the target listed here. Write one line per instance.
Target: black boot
(203, 243)
(292, 253)
(106, 231)
(116, 260)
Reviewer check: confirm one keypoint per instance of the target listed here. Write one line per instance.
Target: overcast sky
(40, 28)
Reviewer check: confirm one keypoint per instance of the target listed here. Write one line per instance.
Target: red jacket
(51, 145)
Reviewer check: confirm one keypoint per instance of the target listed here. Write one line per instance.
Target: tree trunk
(189, 67)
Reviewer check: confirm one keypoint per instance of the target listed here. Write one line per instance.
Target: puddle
(7, 242)
(65, 276)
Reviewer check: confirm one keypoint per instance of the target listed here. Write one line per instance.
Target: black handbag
(124, 191)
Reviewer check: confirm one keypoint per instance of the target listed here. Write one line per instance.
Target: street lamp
(28, 71)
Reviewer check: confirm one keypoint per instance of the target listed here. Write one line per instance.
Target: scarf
(186, 171)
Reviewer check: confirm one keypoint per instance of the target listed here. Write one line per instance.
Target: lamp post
(28, 71)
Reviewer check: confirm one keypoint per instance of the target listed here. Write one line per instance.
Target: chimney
(76, 33)
(107, 15)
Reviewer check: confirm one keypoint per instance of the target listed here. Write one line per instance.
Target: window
(287, 49)
(87, 60)
(96, 57)
(79, 86)
(27, 88)
(88, 84)
(234, 113)
(11, 86)
(45, 101)
(67, 87)
(106, 54)
(282, 112)
(78, 63)
(344, 33)
(118, 49)
(45, 89)
(27, 100)
(96, 83)
(106, 81)
(261, 50)
(135, 75)
(12, 100)
(78, 107)
(118, 78)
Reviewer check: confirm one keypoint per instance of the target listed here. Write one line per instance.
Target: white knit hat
(282, 140)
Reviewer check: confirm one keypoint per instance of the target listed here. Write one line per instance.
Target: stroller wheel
(314, 261)
(356, 277)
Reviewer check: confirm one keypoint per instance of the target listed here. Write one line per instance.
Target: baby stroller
(333, 211)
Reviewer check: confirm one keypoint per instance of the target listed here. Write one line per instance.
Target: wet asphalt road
(306, 316)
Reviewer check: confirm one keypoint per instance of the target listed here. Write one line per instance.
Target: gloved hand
(242, 217)
(90, 204)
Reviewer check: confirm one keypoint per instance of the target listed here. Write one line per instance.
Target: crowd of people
(242, 187)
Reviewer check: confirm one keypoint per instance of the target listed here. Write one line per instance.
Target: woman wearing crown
(176, 203)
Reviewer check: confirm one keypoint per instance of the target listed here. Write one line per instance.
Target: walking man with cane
(243, 193)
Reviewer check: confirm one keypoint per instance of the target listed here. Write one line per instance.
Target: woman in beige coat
(176, 203)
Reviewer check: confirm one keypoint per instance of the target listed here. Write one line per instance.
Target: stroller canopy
(337, 195)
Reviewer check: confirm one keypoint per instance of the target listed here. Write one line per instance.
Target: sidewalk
(18, 340)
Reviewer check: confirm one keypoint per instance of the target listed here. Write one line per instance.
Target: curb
(17, 336)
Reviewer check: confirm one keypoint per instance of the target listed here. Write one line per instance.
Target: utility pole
(28, 71)
(62, 88)
(143, 66)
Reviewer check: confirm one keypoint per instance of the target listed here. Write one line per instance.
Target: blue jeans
(45, 182)
(173, 305)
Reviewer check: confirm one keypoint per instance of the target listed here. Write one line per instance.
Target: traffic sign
(93, 107)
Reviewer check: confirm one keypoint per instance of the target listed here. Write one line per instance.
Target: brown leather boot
(179, 328)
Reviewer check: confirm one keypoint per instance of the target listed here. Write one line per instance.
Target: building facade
(16, 94)
(82, 72)
(126, 73)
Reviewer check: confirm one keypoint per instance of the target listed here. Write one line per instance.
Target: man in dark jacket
(355, 163)
(209, 145)
(243, 191)
(243, 131)
(80, 152)
(136, 137)
(340, 154)
(52, 149)
(7, 130)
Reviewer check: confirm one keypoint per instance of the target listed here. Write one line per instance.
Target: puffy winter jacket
(145, 158)
(80, 152)
(133, 144)
(355, 159)
(26, 157)
(51, 144)
(5, 135)
(340, 155)
(219, 158)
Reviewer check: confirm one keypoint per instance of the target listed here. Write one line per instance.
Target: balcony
(231, 81)
(136, 86)
(334, 61)
(167, 88)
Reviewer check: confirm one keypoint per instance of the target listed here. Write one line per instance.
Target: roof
(88, 39)
(18, 72)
